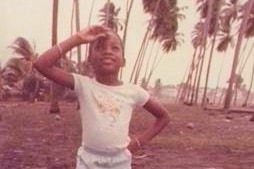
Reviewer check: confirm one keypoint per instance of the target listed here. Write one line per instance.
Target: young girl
(106, 103)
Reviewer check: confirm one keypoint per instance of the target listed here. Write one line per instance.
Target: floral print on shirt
(108, 105)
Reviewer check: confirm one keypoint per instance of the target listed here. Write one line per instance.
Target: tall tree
(54, 106)
(206, 10)
(199, 41)
(188, 88)
(162, 28)
(78, 29)
(227, 20)
(129, 4)
(243, 28)
(109, 16)
(246, 100)
(213, 31)
(23, 65)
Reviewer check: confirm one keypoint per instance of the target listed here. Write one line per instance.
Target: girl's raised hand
(92, 33)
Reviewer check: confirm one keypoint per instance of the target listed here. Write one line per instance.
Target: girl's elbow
(166, 119)
(38, 65)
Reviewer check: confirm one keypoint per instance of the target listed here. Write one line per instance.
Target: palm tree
(249, 33)
(23, 65)
(14, 70)
(54, 106)
(108, 16)
(227, 19)
(189, 89)
(22, 47)
(77, 29)
(162, 28)
(200, 34)
(89, 22)
(129, 4)
(245, 103)
(206, 10)
(213, 30)
(242, 30)
(20, 71)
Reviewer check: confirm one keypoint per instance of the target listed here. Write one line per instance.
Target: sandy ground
(31, 138)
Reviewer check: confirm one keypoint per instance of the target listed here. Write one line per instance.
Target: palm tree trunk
(89, 22)
(246, 60)
(218, 79)
(199, 72)
(208, 72)
(128, 11)
(221, 96)
(179, 90)
(204, 40)
(148, 60)
(138, 58)
(191, 86)
(71, 25)
(204, 99)
(245, 103)
(242, 54)
(154, 66)
(78, 29)
(141, 61)
(236, 93)
(194, 95)
(54, 22)
(228, 97)
(54, 107)
(189, 77)
(107, 17)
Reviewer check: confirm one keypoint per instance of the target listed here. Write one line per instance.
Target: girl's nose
(107, 49)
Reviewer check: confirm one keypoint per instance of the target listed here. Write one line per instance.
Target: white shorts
(88, 158)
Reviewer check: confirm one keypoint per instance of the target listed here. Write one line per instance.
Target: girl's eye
(97, 46)
(115, 48)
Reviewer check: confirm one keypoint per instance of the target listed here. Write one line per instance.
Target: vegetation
(217, 19)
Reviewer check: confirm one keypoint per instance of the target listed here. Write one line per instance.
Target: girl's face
(107, 54)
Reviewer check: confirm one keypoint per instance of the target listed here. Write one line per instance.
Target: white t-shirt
(106, 112)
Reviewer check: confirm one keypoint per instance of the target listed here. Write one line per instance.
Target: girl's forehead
(109, 38)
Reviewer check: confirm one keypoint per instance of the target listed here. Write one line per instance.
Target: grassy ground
(195, 139)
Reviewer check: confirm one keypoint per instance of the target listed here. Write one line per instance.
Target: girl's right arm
(45, 64)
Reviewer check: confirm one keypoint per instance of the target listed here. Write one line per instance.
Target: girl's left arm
(162, 119)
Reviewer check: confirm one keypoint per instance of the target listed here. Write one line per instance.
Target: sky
(32, 20)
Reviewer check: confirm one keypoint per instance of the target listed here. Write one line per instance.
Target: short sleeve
(79, 82)
(142, 96)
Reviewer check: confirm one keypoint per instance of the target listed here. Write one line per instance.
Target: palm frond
(17, 64)
(22, 47)
(224, 43)
(197, 34)
(108, 16)
(164, 21)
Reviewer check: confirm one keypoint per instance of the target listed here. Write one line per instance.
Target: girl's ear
(124, 62)
(89, 58)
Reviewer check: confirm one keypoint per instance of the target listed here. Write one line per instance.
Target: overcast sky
(32, 19)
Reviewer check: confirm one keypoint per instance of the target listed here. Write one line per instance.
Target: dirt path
(30, 138)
